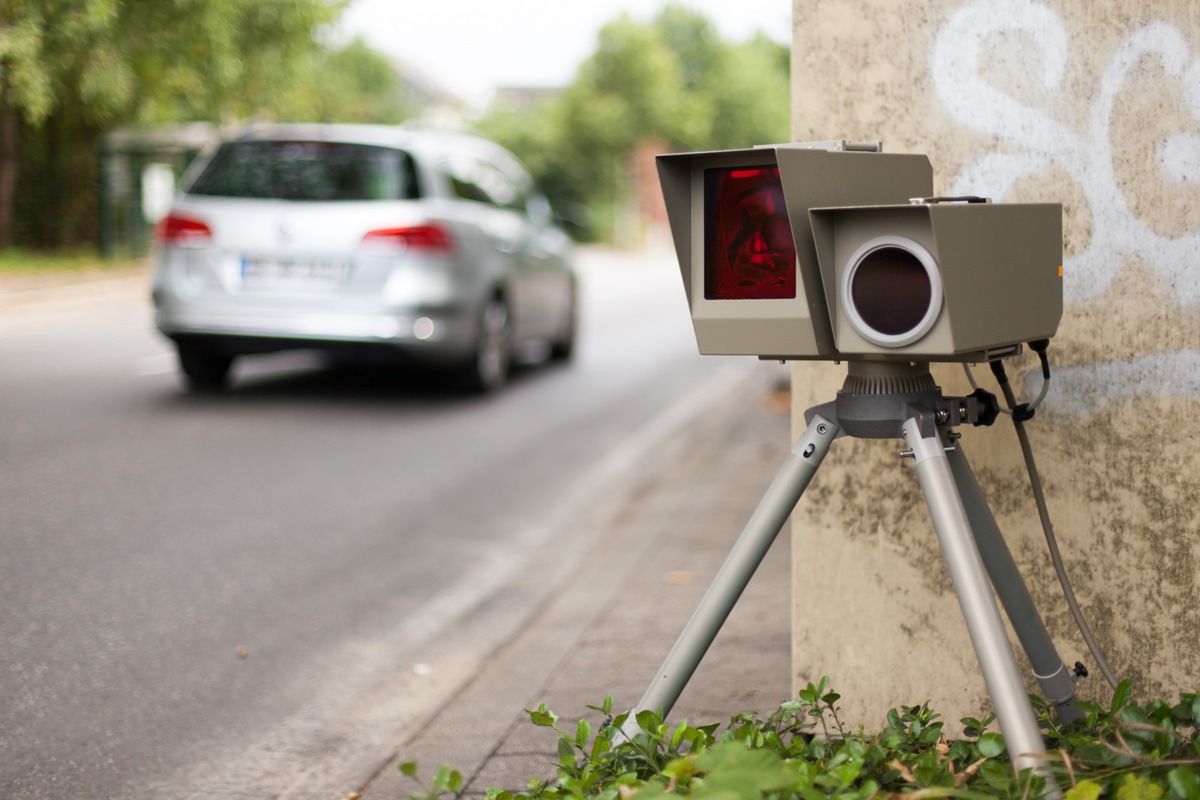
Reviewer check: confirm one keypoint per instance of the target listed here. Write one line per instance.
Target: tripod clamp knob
(989, 407)
(980, 408)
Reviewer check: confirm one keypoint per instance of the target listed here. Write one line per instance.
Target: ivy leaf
(1084, 790)
(600, 746)
(583, 732)
(1121, 696)
(1135, 787)
(649, 722)
(566, 754)
(605, 708)
(732, 767)
(997, 775)
(991, 745)
(447, 779)
(543, 717)
(1184, 781)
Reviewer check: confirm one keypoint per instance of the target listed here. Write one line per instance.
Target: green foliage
(446, 782)
(16, 261)
(357, 84)
(751, 99)
(802, 750)
(150, 61)
(672, 83)
(72, 69)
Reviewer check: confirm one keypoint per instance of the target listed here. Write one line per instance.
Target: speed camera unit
(867, 275)
(740, 223)
(838, 252)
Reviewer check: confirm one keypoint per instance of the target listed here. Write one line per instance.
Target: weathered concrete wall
(1096, 106)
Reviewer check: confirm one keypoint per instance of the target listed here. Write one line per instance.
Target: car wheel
(489, 365)
(562, 348)
(204, 370)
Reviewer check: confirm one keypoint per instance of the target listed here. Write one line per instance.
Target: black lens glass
(891, 291)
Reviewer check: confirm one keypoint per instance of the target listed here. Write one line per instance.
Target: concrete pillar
(1096, 106)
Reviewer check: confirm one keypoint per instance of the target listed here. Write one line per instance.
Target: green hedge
(802, 750)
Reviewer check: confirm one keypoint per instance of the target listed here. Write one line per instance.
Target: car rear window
(301, 170)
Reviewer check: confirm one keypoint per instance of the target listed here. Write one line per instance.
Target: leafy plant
(802, 750)
(446, 781)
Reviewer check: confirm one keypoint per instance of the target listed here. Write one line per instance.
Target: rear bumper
(423, 307)
(430, 334)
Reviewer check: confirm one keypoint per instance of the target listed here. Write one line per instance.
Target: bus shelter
(140, 169)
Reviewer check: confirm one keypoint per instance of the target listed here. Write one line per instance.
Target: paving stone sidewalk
(657, 545)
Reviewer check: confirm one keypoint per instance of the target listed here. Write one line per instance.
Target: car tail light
(182, 231)
(430, 237)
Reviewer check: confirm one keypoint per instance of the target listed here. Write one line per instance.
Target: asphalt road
(258, 594)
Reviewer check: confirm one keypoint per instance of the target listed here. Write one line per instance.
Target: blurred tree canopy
(672, 82)
(72, 69)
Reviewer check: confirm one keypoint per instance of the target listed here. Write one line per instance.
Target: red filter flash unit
(749, 253)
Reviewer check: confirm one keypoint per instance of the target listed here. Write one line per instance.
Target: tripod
(900, 400)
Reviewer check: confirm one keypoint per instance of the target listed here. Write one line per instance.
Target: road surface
(258, 594)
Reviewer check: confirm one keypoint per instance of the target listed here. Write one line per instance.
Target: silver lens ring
(924, 323)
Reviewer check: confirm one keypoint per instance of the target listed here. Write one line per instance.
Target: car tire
(203, 370)
(563, 347)
(491, 359)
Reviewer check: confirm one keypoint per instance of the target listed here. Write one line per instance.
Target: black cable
(1039, 498)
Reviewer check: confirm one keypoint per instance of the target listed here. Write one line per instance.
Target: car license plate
(299, 272)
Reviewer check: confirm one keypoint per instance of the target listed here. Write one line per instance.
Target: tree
(629, 90)
(351, 84)
(69, 69)
(33, 62)
(673, 80)
(695, 42)
(750, 95)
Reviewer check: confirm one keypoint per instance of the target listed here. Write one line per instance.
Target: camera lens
(891, 291)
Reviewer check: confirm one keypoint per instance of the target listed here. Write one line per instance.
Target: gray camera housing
(876, 277)
(993, 271)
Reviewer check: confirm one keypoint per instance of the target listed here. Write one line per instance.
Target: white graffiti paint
(1082, 389)
(1035, 140)
(1087, 157)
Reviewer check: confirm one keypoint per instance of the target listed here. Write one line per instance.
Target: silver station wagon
(362, 240)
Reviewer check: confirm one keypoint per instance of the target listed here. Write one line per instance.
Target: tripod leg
(1056, 680)
(731, 579)
(995, 655)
